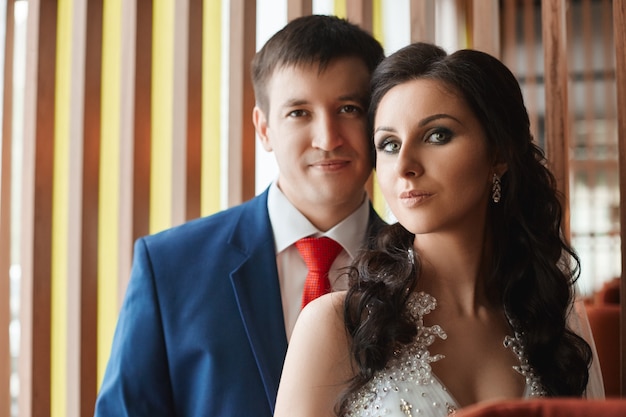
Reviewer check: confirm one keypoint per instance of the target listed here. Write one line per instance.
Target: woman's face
(433, 165)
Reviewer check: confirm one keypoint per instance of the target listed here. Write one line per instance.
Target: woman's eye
(388, 146)
(439, 136)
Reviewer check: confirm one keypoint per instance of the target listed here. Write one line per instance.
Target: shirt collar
(290, 225)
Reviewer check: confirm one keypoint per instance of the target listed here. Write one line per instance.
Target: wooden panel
(360, 13)
(616, 179)
(5, 216)
(241, 136)
(619, 35)
(509, 8)
(530, 61)
(83, 111)
(297, 8)
(610, 100)
(142, 121)
(34, 362)
(194, 110)
(486, 26)
(422, 20)
(588, 88)
(557, 115)
(88, 277)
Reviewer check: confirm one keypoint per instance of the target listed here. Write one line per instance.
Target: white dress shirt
(289, 225)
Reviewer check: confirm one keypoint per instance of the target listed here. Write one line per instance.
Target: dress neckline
(421, 303)
(407, 384)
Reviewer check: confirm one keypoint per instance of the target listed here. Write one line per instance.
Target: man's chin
(339, 195)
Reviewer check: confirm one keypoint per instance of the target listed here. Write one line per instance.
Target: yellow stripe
(377, 21)
(109, 181)
(341, 9)
(162, 122)
(60, 210)
(211, 107)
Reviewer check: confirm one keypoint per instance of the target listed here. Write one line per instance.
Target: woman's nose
(408, 163)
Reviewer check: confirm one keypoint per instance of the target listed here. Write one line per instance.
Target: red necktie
(318, 254)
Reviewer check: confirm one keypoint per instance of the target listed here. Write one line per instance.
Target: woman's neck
(453, 271)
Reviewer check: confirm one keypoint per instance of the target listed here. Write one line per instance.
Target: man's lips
(330, 164)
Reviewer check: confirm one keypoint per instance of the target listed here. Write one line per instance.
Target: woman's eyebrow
(437, 116)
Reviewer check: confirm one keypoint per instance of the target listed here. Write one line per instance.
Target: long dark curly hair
(532, 269)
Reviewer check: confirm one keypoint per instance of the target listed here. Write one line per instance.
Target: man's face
(317, 129)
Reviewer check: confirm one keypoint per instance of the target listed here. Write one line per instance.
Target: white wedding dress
(408, 387)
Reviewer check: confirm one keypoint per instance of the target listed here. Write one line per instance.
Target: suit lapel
(257, 290)
(256, 287)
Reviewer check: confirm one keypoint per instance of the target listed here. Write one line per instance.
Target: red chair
(547, 407)
(604, 323)
(609, 293)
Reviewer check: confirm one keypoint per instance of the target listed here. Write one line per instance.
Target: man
(211, 304)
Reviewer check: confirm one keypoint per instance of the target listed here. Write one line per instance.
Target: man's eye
(297, 113)
(349, 108)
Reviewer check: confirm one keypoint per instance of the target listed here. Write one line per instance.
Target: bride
(470, 296)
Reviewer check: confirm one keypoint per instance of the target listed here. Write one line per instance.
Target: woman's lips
(412, 198)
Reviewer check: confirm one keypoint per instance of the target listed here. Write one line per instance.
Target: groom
(211, 304)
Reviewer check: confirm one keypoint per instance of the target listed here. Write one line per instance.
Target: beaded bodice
(408, 387)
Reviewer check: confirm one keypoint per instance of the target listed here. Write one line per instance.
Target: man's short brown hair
(308, 40)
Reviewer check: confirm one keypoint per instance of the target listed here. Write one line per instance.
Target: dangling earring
(496, 188)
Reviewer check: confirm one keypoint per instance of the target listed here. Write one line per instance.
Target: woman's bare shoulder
(324, 314)
(327, 304)
(318, 365)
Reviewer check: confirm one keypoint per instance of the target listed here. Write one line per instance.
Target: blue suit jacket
(201, 330)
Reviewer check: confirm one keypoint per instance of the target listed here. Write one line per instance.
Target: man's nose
(327, 133)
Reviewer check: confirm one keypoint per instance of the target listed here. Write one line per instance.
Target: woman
(469, 297)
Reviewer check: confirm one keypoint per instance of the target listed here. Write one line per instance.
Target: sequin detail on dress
(407, 371)
(533, 384)
(407, 385)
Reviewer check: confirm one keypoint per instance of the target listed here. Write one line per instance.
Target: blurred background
(125, 117)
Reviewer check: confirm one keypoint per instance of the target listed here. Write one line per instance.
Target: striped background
(124, 115)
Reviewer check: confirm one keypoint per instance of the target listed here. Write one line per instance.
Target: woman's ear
(500, 168)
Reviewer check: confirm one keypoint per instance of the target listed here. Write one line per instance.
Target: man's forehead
(318, 66)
